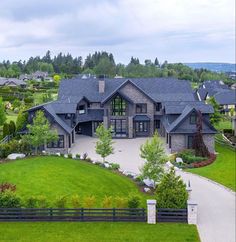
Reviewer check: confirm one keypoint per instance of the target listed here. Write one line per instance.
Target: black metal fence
(172, 215)
(78, 214)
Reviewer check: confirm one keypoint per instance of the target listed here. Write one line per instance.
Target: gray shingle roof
(158, 89)
(7, 81)
(91, 115)
(226, 97)
(178, 107)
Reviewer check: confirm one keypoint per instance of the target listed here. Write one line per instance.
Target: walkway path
(216, 205)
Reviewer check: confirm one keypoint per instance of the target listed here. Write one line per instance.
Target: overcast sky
(176, 30)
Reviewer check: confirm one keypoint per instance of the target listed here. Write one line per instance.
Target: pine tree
(2, 112)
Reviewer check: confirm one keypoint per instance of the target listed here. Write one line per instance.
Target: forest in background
(103, 63)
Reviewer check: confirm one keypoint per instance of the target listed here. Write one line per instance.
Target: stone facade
(178, 142)
(209, 141)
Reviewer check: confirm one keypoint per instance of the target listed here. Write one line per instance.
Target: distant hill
(217, 67)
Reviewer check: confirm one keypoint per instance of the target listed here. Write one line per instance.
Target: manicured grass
(224, 124)
(99, 232)
(222, 170)
(11, 116)
(56, 176)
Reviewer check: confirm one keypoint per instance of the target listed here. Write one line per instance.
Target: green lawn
(56, 176)
(224, 124)
(222, 170)
(11, 116)
(99, 232)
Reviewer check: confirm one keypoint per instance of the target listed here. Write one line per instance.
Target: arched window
(118, 106)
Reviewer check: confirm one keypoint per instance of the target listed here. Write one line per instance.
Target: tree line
(103, 63)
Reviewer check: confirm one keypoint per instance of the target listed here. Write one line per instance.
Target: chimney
(101, 86)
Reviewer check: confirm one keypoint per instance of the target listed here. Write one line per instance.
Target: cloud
(196, 30)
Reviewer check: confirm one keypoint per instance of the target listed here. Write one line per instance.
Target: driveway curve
(216, 205)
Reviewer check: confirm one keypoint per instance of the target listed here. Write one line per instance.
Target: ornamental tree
(104, 143)
(154, 153)
(171, 191)
(40, 132)
(215, 117)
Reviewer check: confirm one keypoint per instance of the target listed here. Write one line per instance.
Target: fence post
(151, 211)
(114, 214)
(192, 212)
(189, 190)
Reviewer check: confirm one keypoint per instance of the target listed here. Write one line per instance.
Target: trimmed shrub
(114, 166)
(61, 202)
(133, 201)
(77, 156)
(9, 199)
(107, 202)
(189, 157)
(171, 191)
(5, 130)
(75, 201)
(121, 202)
(89, 201)
(42, 202)
(31, 202)
(12, 127)
(70, 156)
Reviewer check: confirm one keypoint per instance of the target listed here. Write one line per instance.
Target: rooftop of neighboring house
(223, 94)
(11, 81)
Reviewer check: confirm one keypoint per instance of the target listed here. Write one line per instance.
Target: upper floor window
(68, 116)
(118, 106)
(193, 118)
(158, 107)
(141, 108)
(81, 109)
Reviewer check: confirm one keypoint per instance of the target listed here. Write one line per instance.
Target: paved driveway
(216, 205)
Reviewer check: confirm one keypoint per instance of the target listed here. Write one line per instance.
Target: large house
(132, 107)
(223, 94)
(12, 82)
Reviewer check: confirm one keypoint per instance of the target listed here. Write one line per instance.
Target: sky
(173, 30)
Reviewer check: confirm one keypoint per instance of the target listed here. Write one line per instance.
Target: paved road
(216, 205)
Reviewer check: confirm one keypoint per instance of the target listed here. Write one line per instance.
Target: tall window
(193, 118)
(57, 144)
(157, 124)
(158, 107)
(118, 106)
(141, 108)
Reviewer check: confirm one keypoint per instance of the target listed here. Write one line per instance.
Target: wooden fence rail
(172, 215)
(78, 214)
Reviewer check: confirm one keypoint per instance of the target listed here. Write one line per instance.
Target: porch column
(105, 121)
(130, 127)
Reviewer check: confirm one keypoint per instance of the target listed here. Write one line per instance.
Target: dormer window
(193, 118)
(158, 107)
(81, 109)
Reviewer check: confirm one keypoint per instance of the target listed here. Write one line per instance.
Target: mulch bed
(207, 162)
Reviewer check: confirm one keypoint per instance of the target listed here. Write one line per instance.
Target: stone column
(130, 127)
(192, 212)
(151, 211)
(189, 190)
(105, 121)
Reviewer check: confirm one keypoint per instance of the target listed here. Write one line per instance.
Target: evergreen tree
(215, 117)
(21, 120)
(12, 127)
(2, 113)
(5, 130)
(171, 191)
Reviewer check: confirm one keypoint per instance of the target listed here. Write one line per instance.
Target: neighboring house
(37, 76)
(12, 82)
(224, 95)
(132, 107)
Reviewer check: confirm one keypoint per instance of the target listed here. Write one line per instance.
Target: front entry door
(119, 127)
